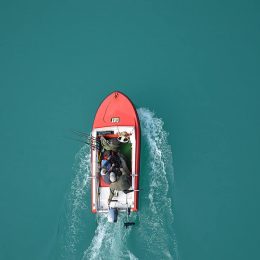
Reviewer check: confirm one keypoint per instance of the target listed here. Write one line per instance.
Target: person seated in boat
(109, 145)
(119, 183)
(105, 163)
(123, 164)
(106, 167)
(115, 159)
(111, 162)
(116, 163)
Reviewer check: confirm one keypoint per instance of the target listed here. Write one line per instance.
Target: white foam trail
(160, 159)
(110, 240)
(76, 201)
(156, 220)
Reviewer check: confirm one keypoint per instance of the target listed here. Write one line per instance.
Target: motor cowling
(112, 215)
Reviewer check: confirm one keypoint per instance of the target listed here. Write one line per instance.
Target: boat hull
(116, 114)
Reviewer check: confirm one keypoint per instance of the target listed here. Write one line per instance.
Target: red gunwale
(119, 105)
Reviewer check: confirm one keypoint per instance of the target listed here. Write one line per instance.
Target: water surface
(195, 64)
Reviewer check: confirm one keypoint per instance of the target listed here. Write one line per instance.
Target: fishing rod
(92, 145)
(79, 133)
(82, 134)
(91, 140)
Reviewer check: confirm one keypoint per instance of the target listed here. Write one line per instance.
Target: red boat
(116, 123)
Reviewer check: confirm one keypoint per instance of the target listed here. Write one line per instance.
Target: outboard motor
(112, 215)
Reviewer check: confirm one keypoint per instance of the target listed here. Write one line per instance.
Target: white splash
(109, 240)
(160, 159)
(75, 202)
(156, 216)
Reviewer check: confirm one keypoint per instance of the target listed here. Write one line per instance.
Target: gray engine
(112, 215)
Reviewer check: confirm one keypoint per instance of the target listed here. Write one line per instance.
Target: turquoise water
(195, 65)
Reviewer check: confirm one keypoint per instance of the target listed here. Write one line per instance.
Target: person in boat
(111, 162)
(110, 145)
(119, 183)
(106, 167)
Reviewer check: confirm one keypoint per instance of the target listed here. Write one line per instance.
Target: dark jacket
(123, 182)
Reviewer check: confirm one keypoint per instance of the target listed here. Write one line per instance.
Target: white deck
(100, 194)
(121, 203)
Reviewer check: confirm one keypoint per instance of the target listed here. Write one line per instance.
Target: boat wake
(153, 235)
(109, 240)
(72, 225)
(155, 232)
